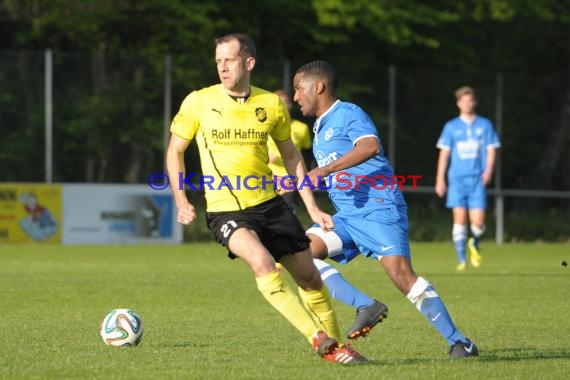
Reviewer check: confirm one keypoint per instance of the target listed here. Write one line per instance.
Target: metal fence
(76, 117)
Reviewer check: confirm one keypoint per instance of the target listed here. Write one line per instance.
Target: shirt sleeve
(359, 126)
(445, 140)
(491, 138)
(187, 120)
(282, 130)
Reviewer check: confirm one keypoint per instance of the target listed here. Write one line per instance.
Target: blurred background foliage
(109, 78)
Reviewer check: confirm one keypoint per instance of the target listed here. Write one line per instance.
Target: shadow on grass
(516, 354)
(480, 274)
(495, 355)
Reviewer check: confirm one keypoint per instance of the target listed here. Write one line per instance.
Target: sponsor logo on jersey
(323, 160)
(261, 114)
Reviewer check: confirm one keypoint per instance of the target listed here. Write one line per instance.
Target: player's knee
(459, 232)
(318, 246)
(260, 262)
(262, 268)
(477, 229)
(324, 243)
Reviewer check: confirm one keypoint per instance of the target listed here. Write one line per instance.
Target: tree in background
(108, 112)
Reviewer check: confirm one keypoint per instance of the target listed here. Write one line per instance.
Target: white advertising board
(107, 214)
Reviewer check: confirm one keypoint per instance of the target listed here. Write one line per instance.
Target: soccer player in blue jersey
(468, 143)
(371, 219)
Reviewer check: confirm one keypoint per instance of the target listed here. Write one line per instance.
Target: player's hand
(440, 188)
(323, 219)
(486, 177)
(317, 175)
(186, 214)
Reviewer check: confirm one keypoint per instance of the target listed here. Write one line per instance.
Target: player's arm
(364, 149)
(175, 166)
(442, 162)
(296, 167)
(490, 164)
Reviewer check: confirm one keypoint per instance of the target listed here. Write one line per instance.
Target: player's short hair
(321, 69)
(465, 90)
(246, 45)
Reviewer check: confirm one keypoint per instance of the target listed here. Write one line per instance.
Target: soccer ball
(122, 328)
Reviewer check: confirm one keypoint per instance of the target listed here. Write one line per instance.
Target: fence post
(167, 103)
(48, 91)
(392, 115)
(287, 76)
(499, 198)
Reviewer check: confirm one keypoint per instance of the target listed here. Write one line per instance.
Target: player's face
(305, 94)
(233, 69)
(467, 104)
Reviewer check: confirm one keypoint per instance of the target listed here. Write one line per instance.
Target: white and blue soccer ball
(122, 328)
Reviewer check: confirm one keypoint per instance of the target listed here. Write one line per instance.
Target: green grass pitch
(204, 318)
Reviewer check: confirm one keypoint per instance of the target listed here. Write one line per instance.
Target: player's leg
(316, 299)
(425, 298)
(477, 202)
(245, 244)
(457, 195)
(422, 295)
(369, 312)
(328, 244)
(384, 235)
(314, 295)
(285, 238)
(477, 221)
(459, 236)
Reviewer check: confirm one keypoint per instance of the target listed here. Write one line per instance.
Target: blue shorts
(468, 192)
(374, 233)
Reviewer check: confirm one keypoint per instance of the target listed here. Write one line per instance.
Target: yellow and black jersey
(232, 140)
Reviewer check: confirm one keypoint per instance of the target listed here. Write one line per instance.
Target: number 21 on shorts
(226, 229)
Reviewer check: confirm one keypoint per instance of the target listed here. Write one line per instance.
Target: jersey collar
(320, 118)
(466, 122)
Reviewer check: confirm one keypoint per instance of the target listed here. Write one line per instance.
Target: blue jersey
(468, 144)
(363, 186)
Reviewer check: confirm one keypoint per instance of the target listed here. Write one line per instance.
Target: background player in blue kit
(469, 141)
(370, 221)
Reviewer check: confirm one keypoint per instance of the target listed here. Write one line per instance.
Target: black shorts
(274, 222)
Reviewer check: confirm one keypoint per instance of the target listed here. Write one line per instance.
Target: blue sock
(339, 288)
(459, 236)
(460, 250)
(427, 301)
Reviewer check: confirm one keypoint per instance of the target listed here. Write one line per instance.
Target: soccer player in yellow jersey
(232, 122)
(301, 138)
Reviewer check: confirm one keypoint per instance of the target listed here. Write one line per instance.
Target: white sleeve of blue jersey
(359, 127)
(445, 140)
(492, 140)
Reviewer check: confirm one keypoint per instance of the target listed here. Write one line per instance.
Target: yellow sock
(318, 303)
(282, 298)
